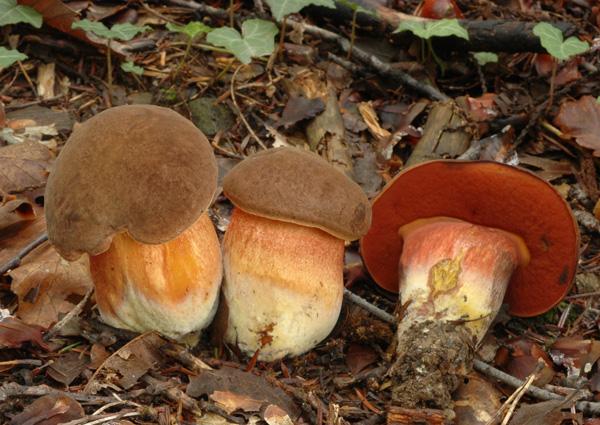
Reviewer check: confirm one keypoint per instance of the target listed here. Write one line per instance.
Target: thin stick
(374, 310)
(75, 311)
(16, 261)
(31, 362)
(239, 112)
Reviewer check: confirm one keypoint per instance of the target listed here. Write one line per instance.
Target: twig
(516, 396)
(239, 111)
(12, 389)
(31, 362)
(16, 260)
(374, 310)
(75, 311)
(190, 361)
(380, 66)
(109, 417)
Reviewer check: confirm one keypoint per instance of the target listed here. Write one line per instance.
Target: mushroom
(459, 238)
(131, 188)
(283, 252)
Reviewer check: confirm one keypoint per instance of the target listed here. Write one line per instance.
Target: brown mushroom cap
(140, 168)
(297, 186)
(489, 194)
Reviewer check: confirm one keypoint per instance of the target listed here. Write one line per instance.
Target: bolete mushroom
(458, 238)
(131, 188)
(283, 252)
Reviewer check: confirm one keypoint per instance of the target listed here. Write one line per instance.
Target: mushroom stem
(283, 285)
(453, 277)
(455, 271)
(171, 287)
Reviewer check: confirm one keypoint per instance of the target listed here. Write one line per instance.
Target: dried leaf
(50, 409)
(241, 383)
(15, 211)
(581, 119)
(230, 402)
(13, 239)
(126, 366)
(544, 413)
(45, 80)
(578, 355)
(49, 286)
(274, 415)
(483, 108)
(359, 357)
(299, 108)
(13, 333)
(24, 166)
(476, 401)
(67, 367)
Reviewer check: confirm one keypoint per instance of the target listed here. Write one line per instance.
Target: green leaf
(129, 66)
(282, 8)
(438, 28)
(122, 32)
(8, 57)
(257, 39)
(598, 99)
(553, 41)
(357, 7)
(12, 13)
(191, 29)
(483, 58)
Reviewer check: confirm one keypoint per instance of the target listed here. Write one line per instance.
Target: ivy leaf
(8, 57)
(257, 39)
(129, 66)
(12, 13)
(439, 28)
(282, 8)
(484, 58)
(122, 32)
(191, 29)
(553, 41)
(356, 7)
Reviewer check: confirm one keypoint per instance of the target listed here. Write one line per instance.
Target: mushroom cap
(296, 186)
(489, 194)
(143, 169)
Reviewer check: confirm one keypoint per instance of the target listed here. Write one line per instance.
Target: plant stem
(352, 34)
(109, 70)
(231, 3)
(552, 78)
(282, 37)
(185, 55)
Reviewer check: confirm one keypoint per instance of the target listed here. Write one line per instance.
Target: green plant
(255, 40)
(191, 30)
(356, 9)
(123, 32)
(13, 13)
(552, 39)
(484, 58)
(132, 68)
(426, 30)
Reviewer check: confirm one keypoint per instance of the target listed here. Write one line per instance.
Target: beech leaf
(12, 13)
(8, 57)
(439, 28)
(282, 8)
(122, 32)
(552, 40)
(191, 29)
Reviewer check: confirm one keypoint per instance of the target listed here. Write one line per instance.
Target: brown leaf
(476, 401)
(241, 383)
(50, 409)
(359, 357)
(544, 413)
(127, 365)
(15, 211)
(581, 119)
(49, 286)
(576, 354)
(299, 108)
(13, 239)
(274, 415)
(24, 166)
(230, 402)
(67, 367)
(13, 333)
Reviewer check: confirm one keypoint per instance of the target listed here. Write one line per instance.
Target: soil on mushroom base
(433, 359)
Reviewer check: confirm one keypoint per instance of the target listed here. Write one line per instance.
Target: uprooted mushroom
(130, 189)
(457, 239)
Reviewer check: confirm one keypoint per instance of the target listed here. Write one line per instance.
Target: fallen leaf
(45, 80)
(299, 108)
(581, 119)
(15, 211)
(49, 286)
(13, 333)
(67, 367)
(476, 401)
(50, 409)
(578, 355)
(359, 357)
(24, 166)
(543, 413)
(60, 119)
(14, 238)
(241, 383)
(230, 402)
(274, 415)
(126, 366)
(483, 108)
(548, 168)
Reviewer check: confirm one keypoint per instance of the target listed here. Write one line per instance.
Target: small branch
(16, 260)
(12, 389)
(239, 111)
(75, 311)
(374, 310)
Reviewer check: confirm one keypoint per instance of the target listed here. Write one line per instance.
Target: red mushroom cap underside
(489, 194)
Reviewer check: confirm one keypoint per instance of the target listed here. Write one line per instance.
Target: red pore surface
(489, 194)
